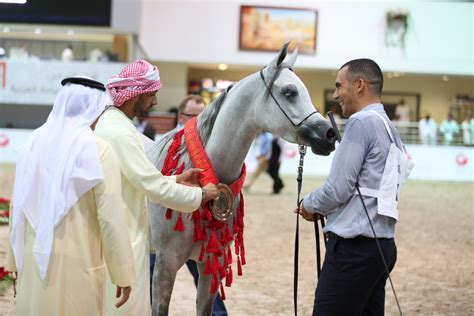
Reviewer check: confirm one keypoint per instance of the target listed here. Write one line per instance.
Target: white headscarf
(59, 164)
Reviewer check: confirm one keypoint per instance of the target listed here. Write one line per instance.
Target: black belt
(331, 235)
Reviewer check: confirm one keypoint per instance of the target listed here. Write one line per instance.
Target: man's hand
(212, 193)
(125, 293)
(189, 177)
(306, 215)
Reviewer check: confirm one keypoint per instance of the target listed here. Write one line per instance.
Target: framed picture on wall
(268, 28)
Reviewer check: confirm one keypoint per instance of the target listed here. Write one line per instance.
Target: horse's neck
(232, 136)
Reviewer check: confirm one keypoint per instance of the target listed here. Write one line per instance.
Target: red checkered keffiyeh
(136, 78)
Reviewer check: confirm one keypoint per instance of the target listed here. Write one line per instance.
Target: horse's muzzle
(320, 136)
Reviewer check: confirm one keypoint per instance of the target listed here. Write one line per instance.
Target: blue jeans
(218, 308)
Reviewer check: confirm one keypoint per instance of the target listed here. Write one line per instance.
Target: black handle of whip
(334, 125)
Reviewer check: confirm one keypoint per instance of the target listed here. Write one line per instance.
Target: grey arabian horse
(273, 100)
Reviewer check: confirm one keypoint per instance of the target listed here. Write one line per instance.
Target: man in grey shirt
(353, 276)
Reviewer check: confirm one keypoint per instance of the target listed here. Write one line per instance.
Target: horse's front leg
(164, 276)
(204, 300)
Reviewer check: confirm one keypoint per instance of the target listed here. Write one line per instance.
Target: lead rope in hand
(299, 179)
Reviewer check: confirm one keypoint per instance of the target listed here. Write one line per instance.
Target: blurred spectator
(67, 54)
(190, 107)
(427, 129)
(467, 131)
(9, 125)
(402, 112)
(144, 127)
(264, 143)
(19, 53)
(274, 164)
(174, 110)
(110, 56)
(96, 55)
(448, 128)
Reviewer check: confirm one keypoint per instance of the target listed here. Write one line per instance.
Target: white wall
(440, 39)
(126, 16)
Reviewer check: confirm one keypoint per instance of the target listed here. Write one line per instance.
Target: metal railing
(409, 133)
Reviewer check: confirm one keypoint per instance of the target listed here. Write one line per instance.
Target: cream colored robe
(140, 180)
(90, 236)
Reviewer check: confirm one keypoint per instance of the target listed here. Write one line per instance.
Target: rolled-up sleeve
(346, 165)
(136, 167)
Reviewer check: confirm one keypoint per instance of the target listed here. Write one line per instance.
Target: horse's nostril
(330, 133)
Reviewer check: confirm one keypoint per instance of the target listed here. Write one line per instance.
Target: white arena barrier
(433, 163)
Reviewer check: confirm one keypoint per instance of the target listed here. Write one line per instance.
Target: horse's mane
(207, 118)
(156, 151)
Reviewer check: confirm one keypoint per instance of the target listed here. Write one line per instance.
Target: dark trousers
(274, 167)
(218, 308)
(353, 277)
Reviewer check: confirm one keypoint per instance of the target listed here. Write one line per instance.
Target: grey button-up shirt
(359, 158)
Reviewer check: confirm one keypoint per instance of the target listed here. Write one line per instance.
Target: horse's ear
(281, 56)
(292, 59)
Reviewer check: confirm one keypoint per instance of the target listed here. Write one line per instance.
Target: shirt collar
(378, 107)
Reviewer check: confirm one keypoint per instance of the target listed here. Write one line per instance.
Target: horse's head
(286, 100)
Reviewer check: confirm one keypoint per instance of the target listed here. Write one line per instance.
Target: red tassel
(222, 293)
(228, 235)
(168, 214)
(223, 239)
(229, 255)
(239, 267)
(196, 216)
(241, 204)
(181, 168)
(201, 253)
(213, 244)
(214, 265)
(197, 232)
(235, 226)
(207, 266)
(228, 277)
(179, 227)
(221, 272)
(204, 234)
(237, 246)
(242, 254)
(213, 287)
(209, 215)
(240, 220)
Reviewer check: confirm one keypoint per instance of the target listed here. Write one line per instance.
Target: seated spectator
(427, 130)
(449, 128)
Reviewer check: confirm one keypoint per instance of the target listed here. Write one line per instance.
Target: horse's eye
(289, 91)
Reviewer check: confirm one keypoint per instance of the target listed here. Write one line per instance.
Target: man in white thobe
(68, 218)
(133, 92)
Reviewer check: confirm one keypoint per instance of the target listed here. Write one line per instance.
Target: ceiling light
(222, 67)
(13, 1)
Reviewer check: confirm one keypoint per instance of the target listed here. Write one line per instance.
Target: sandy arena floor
(434, 274)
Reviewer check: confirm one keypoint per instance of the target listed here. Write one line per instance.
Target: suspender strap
(386, 125)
